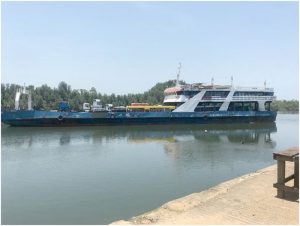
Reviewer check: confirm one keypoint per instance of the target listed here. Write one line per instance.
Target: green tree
(64, 90)
(45, 97)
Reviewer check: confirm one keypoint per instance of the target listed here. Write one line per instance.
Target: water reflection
(184, 145)
(47, 173)
(242, 134)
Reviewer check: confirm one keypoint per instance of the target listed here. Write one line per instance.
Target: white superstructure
(18, 95)
(201, 97)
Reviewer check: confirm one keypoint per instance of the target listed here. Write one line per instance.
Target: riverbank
(249, 199)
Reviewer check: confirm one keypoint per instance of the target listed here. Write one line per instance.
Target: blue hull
(49, 118)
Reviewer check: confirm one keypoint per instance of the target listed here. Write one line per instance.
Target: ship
(197, 103)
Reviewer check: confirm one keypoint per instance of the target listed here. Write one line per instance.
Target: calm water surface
(96, 175)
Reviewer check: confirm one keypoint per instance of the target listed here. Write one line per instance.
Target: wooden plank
(287, 153)
(285, 188)
(280, 176)
(289, 178)
(284, 158)
(296, 172)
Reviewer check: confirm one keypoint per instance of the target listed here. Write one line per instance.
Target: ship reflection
(172, 137)
(218, 143)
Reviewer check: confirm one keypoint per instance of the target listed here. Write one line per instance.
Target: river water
(96, 175)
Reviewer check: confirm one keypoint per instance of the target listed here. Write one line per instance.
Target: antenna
(178, 74)
(212, 81)
(231, 81)
(265, 84)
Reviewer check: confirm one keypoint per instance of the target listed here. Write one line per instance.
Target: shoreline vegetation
(47, 98)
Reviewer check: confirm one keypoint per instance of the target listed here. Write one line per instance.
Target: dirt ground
(250, 199)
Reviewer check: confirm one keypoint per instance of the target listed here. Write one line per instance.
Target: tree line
(47, 98)
(285, 106)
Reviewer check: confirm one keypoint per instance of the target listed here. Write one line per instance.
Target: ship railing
(214, 98)
(241, 88)
(247, 98)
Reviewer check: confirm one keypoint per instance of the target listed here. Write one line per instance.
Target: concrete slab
(250, 199)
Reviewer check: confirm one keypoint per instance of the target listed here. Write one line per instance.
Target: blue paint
(61, 118)
(64, 106)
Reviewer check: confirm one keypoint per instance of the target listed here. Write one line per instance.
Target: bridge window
(239, 93)
(269, 93)
(219, 94)
(189, 93)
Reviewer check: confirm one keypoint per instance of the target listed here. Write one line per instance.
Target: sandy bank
(250, 199)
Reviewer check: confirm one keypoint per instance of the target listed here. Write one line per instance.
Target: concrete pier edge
(248, 199)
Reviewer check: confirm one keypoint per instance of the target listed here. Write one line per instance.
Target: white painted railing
(213, 98)
(260, 89)
(182, 98)
(253, 98)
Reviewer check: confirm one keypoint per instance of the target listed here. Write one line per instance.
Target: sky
(128, 47)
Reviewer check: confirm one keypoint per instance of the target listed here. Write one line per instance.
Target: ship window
(268, 106)
(208, 106)
(238, 106)
(269, 94)
(176, 104)
(192, 93)
(239, 93)
(243, 106)
(189, 93)
(210, 94)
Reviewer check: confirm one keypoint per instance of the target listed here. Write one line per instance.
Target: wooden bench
(291, 155)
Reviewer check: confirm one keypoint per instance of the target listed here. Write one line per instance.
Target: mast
(178, 74)
(29, 100)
